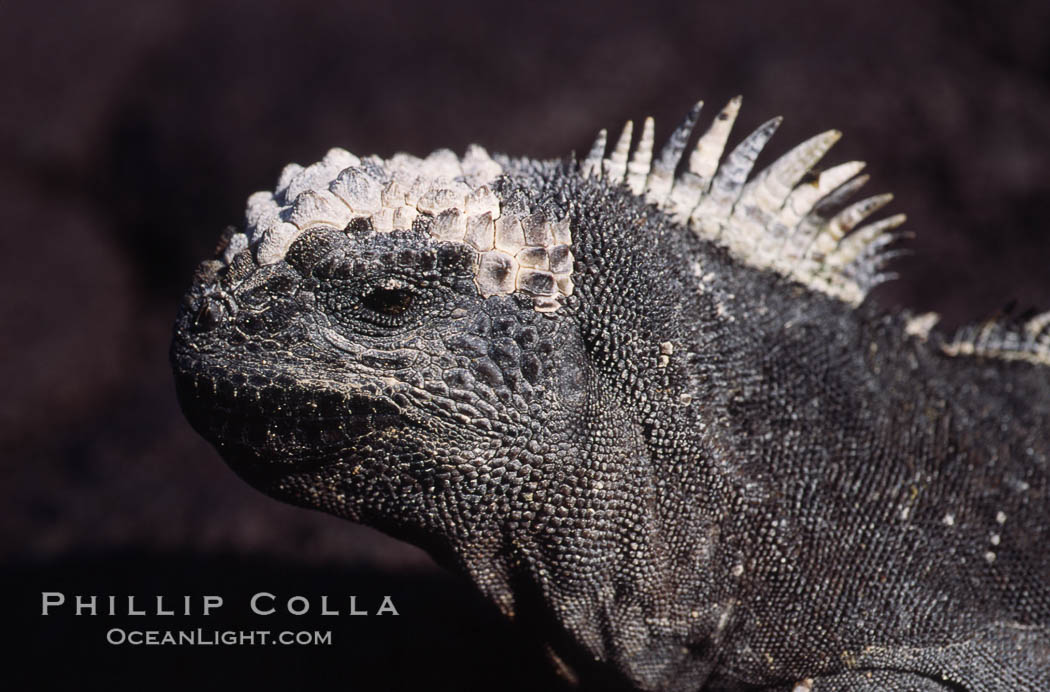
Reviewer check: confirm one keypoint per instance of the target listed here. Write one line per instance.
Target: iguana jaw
(258, 422)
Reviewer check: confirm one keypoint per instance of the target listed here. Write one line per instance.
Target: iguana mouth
(278, 422)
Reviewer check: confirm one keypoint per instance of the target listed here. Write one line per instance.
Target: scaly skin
(693, 474)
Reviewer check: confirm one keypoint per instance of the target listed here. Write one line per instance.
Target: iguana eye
(388, 301)
(209, 315)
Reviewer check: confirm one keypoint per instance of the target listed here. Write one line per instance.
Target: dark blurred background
(132, 133)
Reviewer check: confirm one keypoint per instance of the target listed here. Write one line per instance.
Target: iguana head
(391, 341)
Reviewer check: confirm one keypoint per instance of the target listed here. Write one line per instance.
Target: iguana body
(653, 418)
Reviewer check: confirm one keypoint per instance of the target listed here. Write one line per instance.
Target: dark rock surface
(133, 132)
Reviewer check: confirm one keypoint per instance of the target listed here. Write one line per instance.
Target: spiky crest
(776, 219)
(770, 220)
(1028, 341)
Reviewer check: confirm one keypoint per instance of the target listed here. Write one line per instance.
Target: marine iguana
(646, 407)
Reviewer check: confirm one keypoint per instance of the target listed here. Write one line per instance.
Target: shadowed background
(132, 133)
